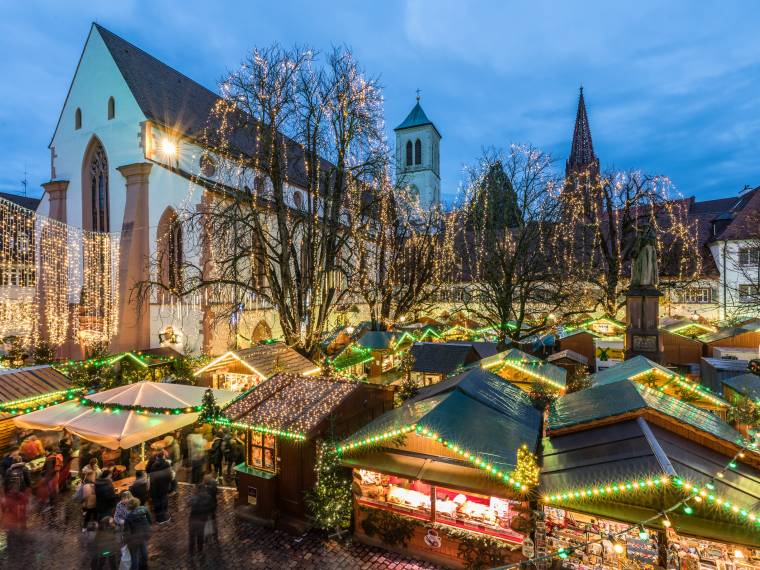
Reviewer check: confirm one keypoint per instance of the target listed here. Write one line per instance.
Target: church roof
(170, 98)
(416, 118)
(24, 201)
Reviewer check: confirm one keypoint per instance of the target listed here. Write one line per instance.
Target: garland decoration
(39, 402)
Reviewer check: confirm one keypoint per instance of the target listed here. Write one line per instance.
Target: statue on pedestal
(644, 274)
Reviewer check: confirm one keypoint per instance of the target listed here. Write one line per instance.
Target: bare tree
(294, 146)
(513, 244)
(604, 213)
(404, 257)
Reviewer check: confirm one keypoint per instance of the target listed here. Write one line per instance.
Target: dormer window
(78, 119)
(111, 108)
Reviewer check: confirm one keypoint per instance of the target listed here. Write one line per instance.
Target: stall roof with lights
(532, 367)
(745, 384)
(476, 411)
(125, 416)
(642, 370)
(264, 360)
(606, 403)
(288, 404)
(32, 384)
(635, 466)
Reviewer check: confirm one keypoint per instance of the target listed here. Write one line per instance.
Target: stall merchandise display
(573, 532)
(468, 511)
(236, 382)
(687, 553)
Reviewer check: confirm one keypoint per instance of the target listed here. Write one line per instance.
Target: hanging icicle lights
(63, 274)
(66, 275)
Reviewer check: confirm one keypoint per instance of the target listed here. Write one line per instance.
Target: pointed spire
(582, 157)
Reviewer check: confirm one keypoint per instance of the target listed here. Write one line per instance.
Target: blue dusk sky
(671, 87)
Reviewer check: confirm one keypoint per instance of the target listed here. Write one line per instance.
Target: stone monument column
(642, 308)
(134, 261)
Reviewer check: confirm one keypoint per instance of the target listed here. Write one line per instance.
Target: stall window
(263, 451)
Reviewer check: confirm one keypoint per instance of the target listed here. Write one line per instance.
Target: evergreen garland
(330, 501)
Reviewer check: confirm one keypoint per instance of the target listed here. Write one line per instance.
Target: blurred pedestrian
(137, 531)
(140, 487)
(201, 507)
(65, 447)
(120, 514)
(105, 495)
(160, 474)
(85, 495)
(216, 454)
(90, 467)
(104, 548)
(196, 450)
(16, 486)
(211, 487)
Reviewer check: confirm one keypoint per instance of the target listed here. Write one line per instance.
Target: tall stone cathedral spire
(582, 158)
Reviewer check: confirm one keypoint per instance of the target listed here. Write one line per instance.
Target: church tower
(582, 159)
(418, 156)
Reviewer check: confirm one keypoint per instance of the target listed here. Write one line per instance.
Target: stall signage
(432, 539)
(252, 496)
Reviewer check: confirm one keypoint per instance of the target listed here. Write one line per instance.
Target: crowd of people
(117, 525)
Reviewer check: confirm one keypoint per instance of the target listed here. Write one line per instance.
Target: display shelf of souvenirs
(468, 511)
(598, 543)
(236, 382)
(689, 553)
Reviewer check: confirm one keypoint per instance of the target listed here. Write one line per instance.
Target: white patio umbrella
(103, 420)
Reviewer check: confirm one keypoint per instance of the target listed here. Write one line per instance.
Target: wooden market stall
(648, 373)
(745, 335)
(744, 385)
(433, 361)
(573, 362)
(581, 342)
(523, 369)
(447, 469)
(23, 390)
(284, 419)
(648, 477)
(243, 369)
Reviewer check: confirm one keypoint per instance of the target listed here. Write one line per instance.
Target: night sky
(671, 87)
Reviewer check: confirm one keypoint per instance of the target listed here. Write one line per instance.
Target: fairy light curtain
(56, 281)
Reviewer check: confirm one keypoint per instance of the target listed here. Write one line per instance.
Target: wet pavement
(53, 540)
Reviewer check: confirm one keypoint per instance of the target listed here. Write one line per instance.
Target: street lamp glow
(169, 147)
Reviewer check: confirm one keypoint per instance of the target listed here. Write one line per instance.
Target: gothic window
(408, 153)
(111, 108)
(78, 119)
(418, 152)
(170, 250)
(97, 173)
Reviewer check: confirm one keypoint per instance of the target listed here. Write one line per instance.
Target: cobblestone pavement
(54, 540)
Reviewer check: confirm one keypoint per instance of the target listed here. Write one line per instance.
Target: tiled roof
(170, 98)
(292, 403)
(746, 222)
(24, 201)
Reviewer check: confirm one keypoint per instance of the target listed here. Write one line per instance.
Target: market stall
(125, 416)
(523, 369)
(634, 478)
(451, 467)
(284, 418)
(241, 370)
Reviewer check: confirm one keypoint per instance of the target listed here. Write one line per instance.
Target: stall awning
(111, 418)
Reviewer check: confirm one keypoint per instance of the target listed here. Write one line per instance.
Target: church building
(418, 164)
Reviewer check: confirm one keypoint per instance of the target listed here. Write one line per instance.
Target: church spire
(582, 157)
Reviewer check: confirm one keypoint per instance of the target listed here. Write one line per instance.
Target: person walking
(201, 506)
(104, 548)
(137, 531)
(105, 495)
(211, 486)
(196, 450)
(160, 474)
(140, 487)
(16, 485)
(49, 485)
(65, 447)
(216, 454)
(85, 495)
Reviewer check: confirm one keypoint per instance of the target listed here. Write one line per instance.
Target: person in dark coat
(139, 488)
(104, 549)
(137, 531)
(215, 454)
(160, 473)
(211, 486)
(201, 507)
(65, 446)
(105, 495)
